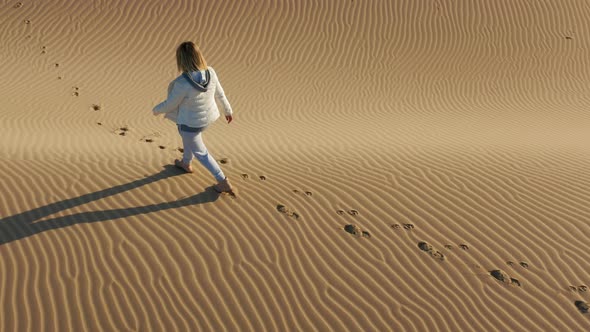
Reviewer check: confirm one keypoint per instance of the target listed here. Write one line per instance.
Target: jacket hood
(198, 79)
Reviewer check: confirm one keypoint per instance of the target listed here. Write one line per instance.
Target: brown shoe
(187, 168)
(224, 187)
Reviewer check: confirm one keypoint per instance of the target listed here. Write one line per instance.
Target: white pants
(192, 143)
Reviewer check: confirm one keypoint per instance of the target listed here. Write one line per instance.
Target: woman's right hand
(229, 118)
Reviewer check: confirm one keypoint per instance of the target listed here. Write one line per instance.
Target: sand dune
(403, 165)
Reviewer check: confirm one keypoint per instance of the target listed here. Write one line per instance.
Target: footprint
(162, 147)
(180, 150)
(448, 246)
(96, 107)
(18, 5)
(582, 288)
(223, 161)
(340, 212)
(504, 277)
(356, 230)
(425, 246)
(76, 91)
(582, 306)
(511, 263)
(573, 288)
(568, 37)
(27, 21)
(245, 176)
(99, 123)
(405, 226)
(150, 138)
(353, 212)
(524, 264)
(262, 178)
(464, 246)
(122, 131)
(308, 193)
(283, 209)
(516, 282)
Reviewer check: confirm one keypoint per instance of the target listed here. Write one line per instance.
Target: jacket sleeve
(220, 96)
(175, 96)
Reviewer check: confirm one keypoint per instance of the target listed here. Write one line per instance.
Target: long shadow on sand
(23, 224)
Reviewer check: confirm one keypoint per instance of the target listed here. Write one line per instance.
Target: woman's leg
(187, 154)
(193, 142)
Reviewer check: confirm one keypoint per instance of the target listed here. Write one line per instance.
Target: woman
(191, 103)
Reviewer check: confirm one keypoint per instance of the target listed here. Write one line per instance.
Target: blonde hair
(189, 57)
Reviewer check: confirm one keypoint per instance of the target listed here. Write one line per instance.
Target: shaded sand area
(403, 165)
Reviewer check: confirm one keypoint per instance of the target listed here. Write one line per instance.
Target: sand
(411, 165)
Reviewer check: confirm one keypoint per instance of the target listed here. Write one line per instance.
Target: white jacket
(188, 106)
